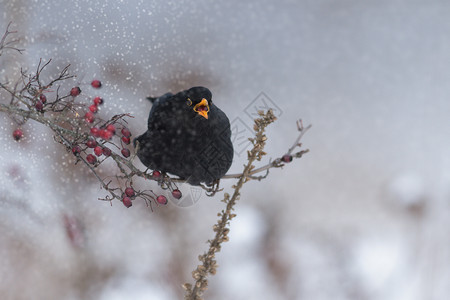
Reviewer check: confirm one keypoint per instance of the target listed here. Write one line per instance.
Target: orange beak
(202, 108)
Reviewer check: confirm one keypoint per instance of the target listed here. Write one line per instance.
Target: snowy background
(364, 215)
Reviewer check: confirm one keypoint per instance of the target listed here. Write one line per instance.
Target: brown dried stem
(209, 264)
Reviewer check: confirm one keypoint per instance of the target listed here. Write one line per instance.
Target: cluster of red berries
(129, 194)
(160, 199)
(39, 105)
(105, 134)
(126, 134)
(176, 193)
(75, 91)
(99, 150)
(89, 117)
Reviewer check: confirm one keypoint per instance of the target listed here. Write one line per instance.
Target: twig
(4, 44)
(277, 163)
(302, 131)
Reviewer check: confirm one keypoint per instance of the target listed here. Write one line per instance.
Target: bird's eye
(189, 102)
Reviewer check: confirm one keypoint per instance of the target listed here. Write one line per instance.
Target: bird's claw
(212, 188)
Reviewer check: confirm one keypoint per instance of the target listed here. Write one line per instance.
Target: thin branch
(302, 131)
(4, 44)
(277, 163)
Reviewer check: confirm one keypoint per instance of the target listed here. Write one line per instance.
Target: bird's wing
(158, 106)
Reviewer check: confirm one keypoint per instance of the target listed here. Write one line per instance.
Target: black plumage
(187, 136)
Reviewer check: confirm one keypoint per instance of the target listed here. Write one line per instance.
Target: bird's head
(199, 100)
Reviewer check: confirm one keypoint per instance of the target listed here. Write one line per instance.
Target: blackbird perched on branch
(187, 136)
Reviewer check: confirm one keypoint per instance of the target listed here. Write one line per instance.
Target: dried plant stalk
(221, 228)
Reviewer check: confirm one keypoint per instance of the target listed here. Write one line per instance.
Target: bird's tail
(152, 99)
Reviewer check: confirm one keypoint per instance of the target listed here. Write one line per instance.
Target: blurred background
(364, 215)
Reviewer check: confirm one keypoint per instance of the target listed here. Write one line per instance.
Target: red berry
(106, 151)
(91, 143)
(98, 150)
(43, 98)
(161, 200)
(125, 152)
(96, 84)
(91, 159)
(287, 158)
(105, 134)
(111, 128)
(76, 150)
(95, 132)
(89, 117)
(75, 91)
(177, 194)
(126, 132)
(39, 105)
(17, 134)
(98, 101)
(126, 140)
(156, 174)
(127, 201)
(93, 108)
(129, 192)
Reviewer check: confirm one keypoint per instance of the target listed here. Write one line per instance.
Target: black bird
(187, 136)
